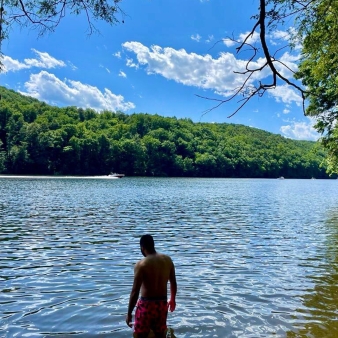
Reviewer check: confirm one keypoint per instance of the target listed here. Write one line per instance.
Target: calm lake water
(254, 258)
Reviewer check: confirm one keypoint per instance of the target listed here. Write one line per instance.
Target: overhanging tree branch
(248, 89)
(46, 15)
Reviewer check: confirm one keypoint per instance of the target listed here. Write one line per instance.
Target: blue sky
(157, 61)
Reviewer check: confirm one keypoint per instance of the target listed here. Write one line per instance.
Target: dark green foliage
(36, 138)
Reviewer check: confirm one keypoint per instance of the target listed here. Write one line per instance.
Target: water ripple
(254, 258)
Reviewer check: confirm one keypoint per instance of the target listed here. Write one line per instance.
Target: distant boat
(115, 175)
(281, 178)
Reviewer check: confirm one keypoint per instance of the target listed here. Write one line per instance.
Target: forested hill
(36, 138)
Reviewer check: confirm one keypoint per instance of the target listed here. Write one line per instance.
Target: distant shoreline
(162, 177)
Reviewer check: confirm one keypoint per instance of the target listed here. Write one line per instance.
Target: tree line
(39, 139)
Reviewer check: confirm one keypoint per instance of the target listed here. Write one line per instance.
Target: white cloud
(13, 65)
(278, 37)
(287, 65)
(189, 68)
(210, 38)
(196, 37)
(300, 130)
(117, 54)
(286, 94)
(252, 38)
(131, 63)
(228, 42)
(42, 60)
(122, 74)
(286, 111)
(71, 65)
(107, 69)
(47, 87)
(203, 71)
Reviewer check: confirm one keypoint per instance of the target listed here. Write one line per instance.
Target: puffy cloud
(42, 60)
(203, 71)
(228, 42)
(286, 94)
(189, 68)
(300, 130)
(252, 38)
(13, 65)
(280, 35)
(287, 65)
(47, 87)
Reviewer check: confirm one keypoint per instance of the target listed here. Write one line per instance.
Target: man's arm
(173, 289)
(138, 279)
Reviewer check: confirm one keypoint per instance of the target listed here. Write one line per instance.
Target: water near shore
(254, 258)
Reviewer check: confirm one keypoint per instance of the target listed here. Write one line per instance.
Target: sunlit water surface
(254, 258)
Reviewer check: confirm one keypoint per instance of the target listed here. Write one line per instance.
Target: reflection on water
(318, 317)
(254, 258)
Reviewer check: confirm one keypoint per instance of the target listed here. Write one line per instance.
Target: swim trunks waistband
(164, 298)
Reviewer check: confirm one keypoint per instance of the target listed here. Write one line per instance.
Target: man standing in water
(151, 276)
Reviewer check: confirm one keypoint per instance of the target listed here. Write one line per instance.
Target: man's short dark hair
(147, 242)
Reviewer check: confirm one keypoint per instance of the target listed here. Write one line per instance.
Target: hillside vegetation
(36, 138)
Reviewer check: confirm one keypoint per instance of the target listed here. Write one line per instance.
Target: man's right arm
(173, 289)
(138, 279)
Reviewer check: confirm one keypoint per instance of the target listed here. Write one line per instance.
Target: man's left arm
(134, 292)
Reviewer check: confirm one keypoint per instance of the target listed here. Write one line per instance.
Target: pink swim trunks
(151, 314)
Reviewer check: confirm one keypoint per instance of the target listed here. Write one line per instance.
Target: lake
(253, 257)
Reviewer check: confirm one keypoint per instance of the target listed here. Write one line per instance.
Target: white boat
(115, 175)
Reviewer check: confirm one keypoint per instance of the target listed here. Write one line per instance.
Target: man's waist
(156, 298)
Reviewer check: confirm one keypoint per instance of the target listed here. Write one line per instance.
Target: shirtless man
(151, 276)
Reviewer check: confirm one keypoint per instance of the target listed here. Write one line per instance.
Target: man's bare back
(155, 270)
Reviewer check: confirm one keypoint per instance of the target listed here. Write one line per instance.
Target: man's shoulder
(140, 263)
(166, 257)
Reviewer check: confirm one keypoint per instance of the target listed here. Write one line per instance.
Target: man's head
(147, 245)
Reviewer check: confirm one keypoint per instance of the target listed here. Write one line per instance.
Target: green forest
(39, 139)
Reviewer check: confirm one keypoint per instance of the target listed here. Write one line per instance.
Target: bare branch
(248, 90)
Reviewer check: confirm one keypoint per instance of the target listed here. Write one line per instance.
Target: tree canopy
(36, 138)
(318, 71)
